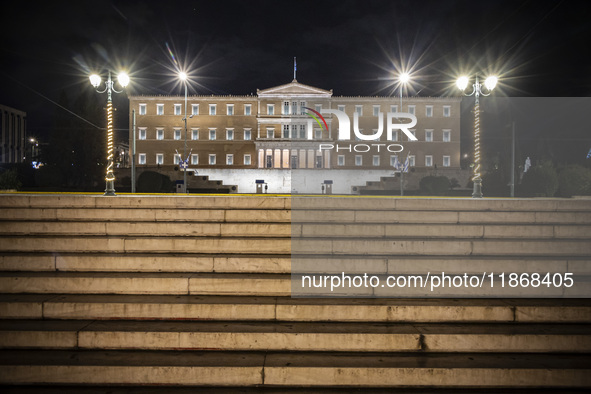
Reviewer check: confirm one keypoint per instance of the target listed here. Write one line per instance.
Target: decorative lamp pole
(183, 77)
(95, 80)
(489, 84)
(403, 79)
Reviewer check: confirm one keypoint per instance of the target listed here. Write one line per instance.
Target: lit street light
(489, 84)
(95, 80)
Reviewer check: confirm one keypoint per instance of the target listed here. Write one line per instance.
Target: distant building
(13, 126)
(273, 137)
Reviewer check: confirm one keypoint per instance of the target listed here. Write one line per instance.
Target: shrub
(574, 180)
(540, 181)
(153, 182)
(9, 180)
(434, 185)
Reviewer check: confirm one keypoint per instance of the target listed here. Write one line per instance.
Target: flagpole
(295, 68)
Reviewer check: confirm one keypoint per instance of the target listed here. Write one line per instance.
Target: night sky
(538, 48)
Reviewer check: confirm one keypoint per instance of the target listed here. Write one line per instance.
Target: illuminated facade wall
(268, 131)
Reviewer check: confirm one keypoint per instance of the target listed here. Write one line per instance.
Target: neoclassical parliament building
(272, 138)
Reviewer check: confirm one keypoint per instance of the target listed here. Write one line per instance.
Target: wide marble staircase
(169, 294)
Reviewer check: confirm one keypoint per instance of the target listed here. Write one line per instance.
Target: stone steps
(281, 264)
(145, 283)
(289, 336)
(251, 284)
(198, 291)
(287, 309)
(397, 246)
(99, 227)
(295, 370)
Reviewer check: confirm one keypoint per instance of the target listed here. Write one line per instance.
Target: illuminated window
(194, 159)
(429, 135)
(429, 111)
(141, 158)
(177, 109)
(229, 159)
(143, 109)
(159, 159)
(247, 109)
(212, 135)
(270, 109)
(230, 109)
(358, 160)
(411, 109)
(376, 110)
(446, 161)
(446, 111)
(159, 109)
(211, 160)
(176, 159)
(230, 134)
(212, 108)
(376, 160)
(159, 134)
(142, 135)
(428, 161)
(247, 160)
(194, 109)
(177, 134)
(341, 160)
(194, 134)
(247, 135)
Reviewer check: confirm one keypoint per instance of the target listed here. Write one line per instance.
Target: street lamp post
(183, 77)
(403, 79)
(489, 84)
(95, 80)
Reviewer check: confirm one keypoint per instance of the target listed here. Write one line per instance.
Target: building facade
(13, 128)
(278, 136)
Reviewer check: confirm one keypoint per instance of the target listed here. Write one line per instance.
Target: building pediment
(294, 89)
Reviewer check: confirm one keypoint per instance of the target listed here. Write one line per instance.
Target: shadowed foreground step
(289, 369)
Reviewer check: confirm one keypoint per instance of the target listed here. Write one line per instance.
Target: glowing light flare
(183, 76)
(404, 78)
(95, 80)
(462, 83)
(172, 56)
(123, 79)
(491, 82)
